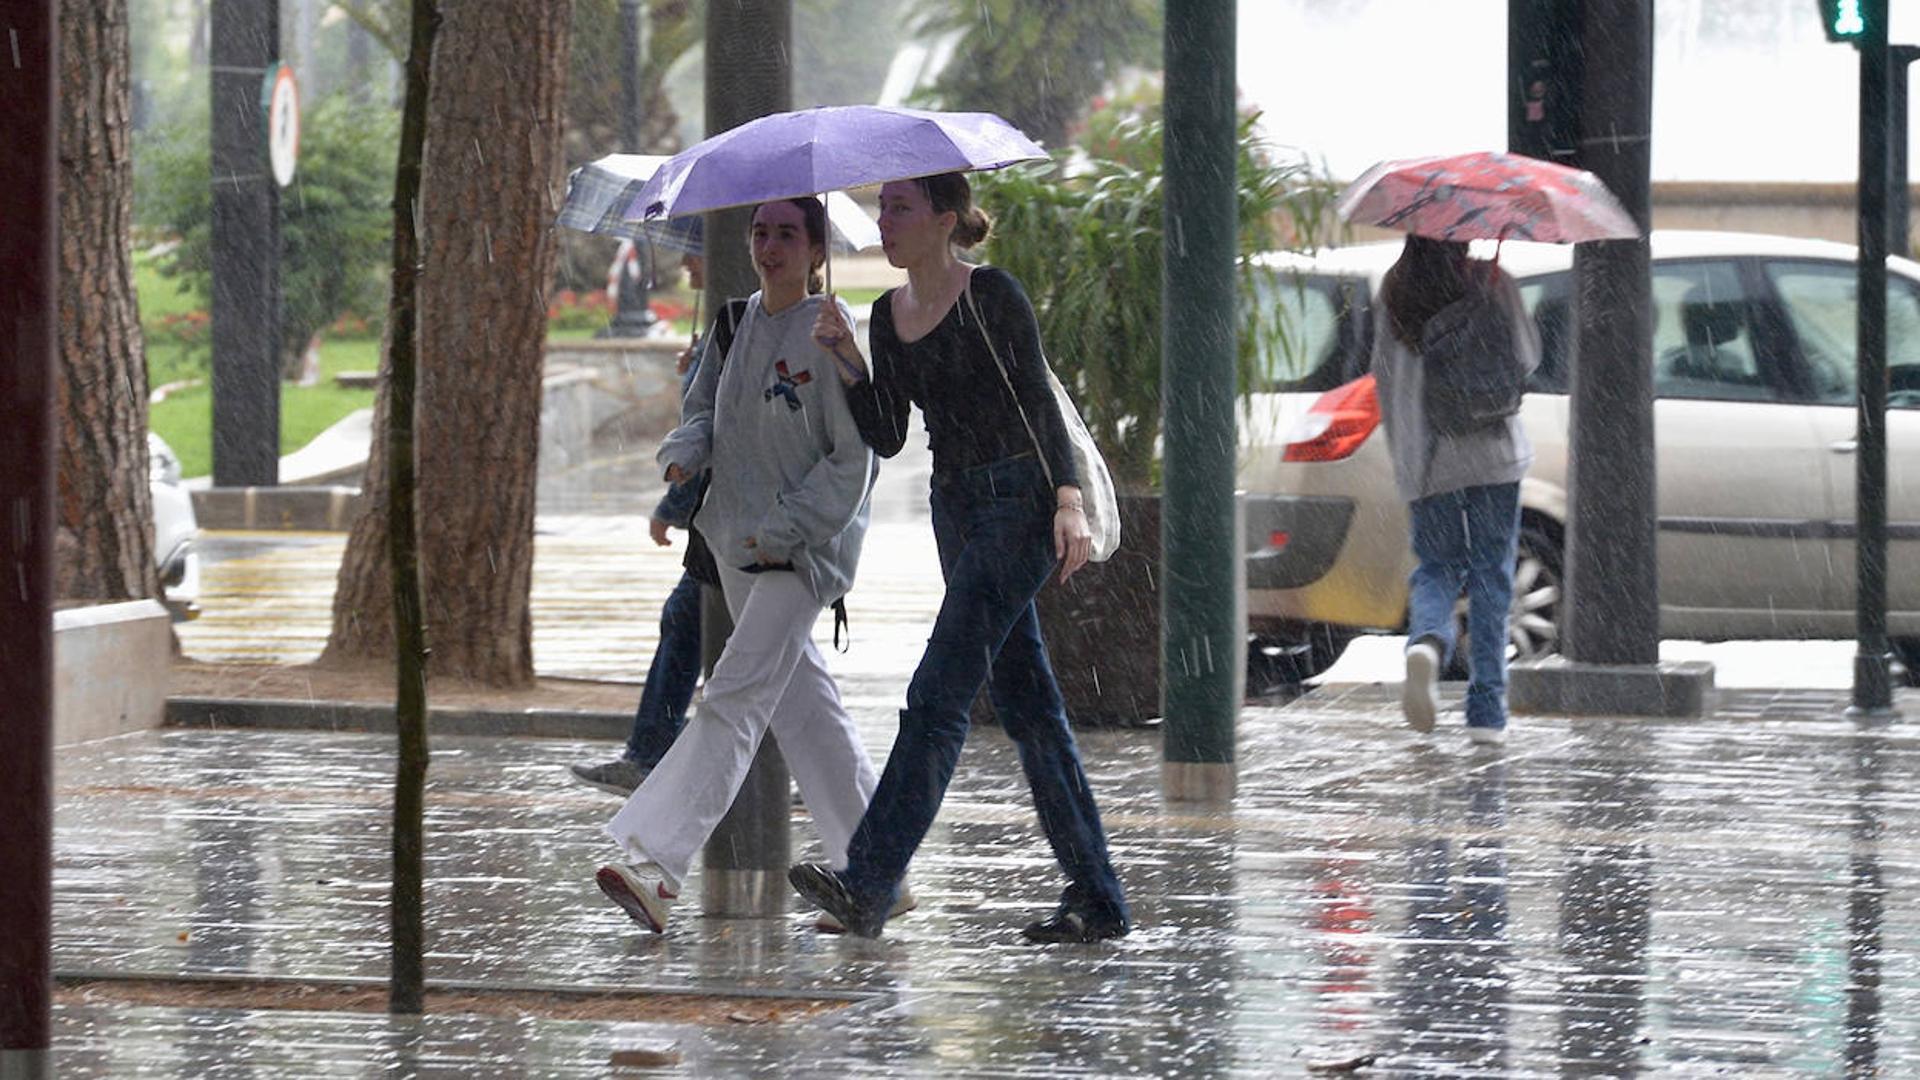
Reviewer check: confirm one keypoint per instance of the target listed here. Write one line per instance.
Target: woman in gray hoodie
(1462, 490)
(784, 517)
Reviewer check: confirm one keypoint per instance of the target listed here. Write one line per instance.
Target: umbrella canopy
(599, 193)
(829, 148)
(1486, 196)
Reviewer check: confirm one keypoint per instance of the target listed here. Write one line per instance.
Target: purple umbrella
(829, 148)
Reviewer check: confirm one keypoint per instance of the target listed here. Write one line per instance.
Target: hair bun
(972, 228)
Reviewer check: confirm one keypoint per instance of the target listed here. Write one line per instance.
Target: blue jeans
(994, 528)
(676, 667)
(1468, 537)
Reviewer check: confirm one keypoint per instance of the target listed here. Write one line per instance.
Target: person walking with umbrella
(675, 669)
(1452, 348)
(963, 344)
(785, 515)
(1461, 484)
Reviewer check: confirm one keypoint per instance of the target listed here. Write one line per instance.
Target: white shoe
(1487, 736)
(827, 924)
(1420, 694)
(641, 890)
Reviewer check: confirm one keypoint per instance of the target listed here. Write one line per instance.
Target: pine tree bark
(105, 524)
(489, 193)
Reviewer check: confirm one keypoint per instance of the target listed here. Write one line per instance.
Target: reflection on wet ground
(1604, 898)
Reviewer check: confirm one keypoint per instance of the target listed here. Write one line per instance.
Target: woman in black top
(1006, 510)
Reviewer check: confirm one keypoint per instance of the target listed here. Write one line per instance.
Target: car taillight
(1336, 424)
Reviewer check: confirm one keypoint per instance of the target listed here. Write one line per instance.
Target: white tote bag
(1096, 483)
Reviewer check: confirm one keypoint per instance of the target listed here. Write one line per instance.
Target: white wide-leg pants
(770, 674)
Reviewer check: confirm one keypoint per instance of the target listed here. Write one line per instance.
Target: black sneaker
(617, 777)
(1072, 927)
(823, 888)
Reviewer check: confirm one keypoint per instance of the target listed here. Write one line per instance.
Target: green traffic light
(1848, 20)
(1844, 20)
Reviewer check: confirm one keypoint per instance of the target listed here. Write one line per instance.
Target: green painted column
(1872, 681)
(1203, 607)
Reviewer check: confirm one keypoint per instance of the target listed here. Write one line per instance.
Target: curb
(480, 986)
(271, 714)
(316, 508)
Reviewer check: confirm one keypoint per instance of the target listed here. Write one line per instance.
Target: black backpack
(1472, 372)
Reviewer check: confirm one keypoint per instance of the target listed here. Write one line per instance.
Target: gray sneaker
(1420, 693)
(617, 777)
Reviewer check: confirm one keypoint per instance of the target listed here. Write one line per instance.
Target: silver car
(1754, 427)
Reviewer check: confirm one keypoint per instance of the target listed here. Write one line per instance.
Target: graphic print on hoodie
(788, 385)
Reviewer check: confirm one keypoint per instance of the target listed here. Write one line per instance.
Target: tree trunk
(106, 509)
(488, 194)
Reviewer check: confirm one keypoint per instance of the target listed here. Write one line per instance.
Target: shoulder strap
(727, 324)
(1000, 366)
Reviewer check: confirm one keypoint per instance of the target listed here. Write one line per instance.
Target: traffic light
(1844, 20)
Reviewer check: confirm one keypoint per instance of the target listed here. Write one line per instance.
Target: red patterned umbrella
(1487, 196)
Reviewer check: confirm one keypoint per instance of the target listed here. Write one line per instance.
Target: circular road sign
(281, 97)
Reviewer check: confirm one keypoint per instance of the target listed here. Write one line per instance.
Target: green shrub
(335, 221)
(1084, 235)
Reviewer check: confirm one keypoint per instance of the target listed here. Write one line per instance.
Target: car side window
(1310, 321)
(1703, 335)
(1820, 299)
(1550, 302)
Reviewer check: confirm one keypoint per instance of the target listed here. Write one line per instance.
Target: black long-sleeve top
(951, 375)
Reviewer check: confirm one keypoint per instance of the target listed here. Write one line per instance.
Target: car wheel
(1281, 661)
(1533, 622)
(1907, 651)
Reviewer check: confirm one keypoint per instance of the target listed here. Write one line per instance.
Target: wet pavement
(1728, 897)
(1605, 897)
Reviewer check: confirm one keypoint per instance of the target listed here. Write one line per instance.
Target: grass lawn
(185, 418)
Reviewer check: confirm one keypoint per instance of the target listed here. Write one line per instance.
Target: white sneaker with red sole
(641, 890)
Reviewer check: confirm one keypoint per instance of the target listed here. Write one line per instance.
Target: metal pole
(749, 74)
(1613, 610)
(246, 249)
(1872, 682)
(633, 316)
(1203, 617)
(633, 31)
(1900, 208)
(28, 312)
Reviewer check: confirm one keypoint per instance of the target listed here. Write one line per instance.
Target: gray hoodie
(789, 468)
(1501, 454)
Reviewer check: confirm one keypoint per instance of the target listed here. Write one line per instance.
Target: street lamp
(633, 315)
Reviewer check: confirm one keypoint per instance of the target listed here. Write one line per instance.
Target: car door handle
(1845, 446)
